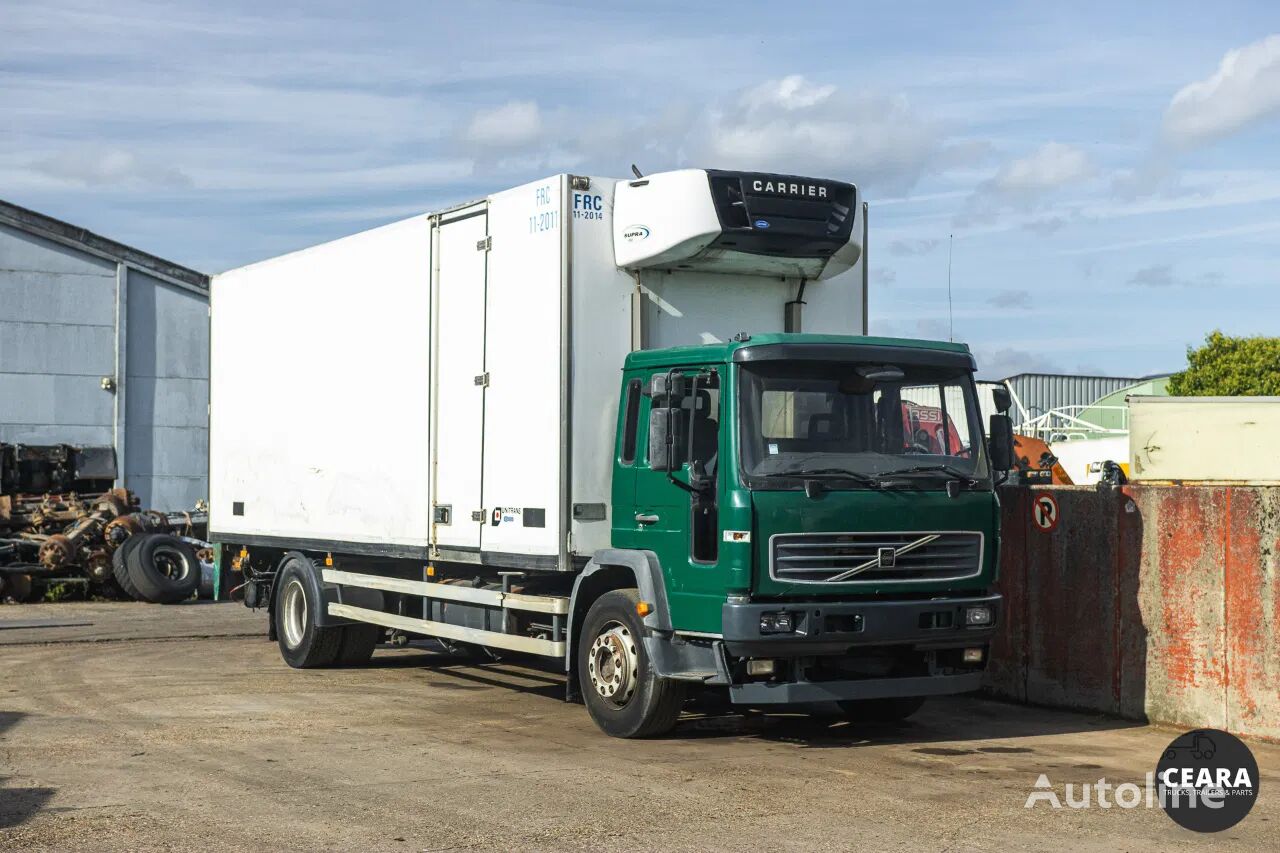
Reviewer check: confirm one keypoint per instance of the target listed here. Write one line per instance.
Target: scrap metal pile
(61, 519)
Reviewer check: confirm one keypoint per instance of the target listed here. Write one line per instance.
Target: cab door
(666, 517)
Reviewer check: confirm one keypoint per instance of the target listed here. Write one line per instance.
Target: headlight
(980, 615)
(777, 623)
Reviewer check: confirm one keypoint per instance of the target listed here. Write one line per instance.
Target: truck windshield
(858, 422)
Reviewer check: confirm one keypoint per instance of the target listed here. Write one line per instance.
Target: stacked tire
(156, 567)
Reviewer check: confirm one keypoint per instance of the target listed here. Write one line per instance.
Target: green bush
(1230, 367)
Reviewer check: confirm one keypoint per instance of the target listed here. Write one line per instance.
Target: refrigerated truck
(627, 425)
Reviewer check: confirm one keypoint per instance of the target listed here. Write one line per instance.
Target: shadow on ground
(17, 805)
(952, 720)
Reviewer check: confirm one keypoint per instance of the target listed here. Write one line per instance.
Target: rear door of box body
(459, 358)
(524, 359)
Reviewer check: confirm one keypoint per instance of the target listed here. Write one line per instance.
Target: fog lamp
(973, 655)
(977, 615)
(761, 667)
(777, 623)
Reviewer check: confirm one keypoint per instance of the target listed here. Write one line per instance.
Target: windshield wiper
(833, 474)
(954, 473)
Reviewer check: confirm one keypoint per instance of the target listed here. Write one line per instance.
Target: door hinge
(478, 515)
(442, 514)
(484, 245)
(483, 380)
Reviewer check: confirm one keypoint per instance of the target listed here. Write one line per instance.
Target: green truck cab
(822, 514)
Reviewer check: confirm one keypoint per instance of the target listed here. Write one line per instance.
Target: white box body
(369, 395)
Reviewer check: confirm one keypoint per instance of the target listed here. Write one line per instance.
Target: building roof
(67, 234)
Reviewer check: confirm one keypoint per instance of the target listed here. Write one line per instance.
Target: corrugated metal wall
(59, 337)
(166, 443)
(1040, 392)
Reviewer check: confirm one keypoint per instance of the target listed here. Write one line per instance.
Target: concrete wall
(60, 335)
(1156, 602)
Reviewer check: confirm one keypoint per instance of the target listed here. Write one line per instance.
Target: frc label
(588, 206)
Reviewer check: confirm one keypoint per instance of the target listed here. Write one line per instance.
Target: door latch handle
(646, 518)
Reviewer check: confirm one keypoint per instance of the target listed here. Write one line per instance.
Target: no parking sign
(1044, 512)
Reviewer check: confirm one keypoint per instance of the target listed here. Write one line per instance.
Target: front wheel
(623, 695)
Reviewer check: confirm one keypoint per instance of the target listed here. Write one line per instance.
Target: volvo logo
(885, 558)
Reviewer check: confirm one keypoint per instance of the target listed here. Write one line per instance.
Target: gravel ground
(139, 727)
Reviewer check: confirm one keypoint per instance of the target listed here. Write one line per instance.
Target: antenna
(951, 317)
(635, 170)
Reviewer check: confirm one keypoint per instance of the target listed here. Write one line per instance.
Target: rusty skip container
(1205, 439)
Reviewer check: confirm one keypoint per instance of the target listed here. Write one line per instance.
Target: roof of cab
(722, 351)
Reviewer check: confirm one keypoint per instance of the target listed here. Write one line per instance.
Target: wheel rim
(614, 664)
(171, 562)
(293, 606)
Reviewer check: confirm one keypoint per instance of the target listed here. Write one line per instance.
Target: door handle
(646, 518)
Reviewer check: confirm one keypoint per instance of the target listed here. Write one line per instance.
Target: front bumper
(837, 627)
(804, 692)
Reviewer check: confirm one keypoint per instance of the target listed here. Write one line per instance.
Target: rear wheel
(891, 710)
(623, 695)
(303, 643)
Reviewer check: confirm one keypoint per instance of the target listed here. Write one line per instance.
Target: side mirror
(664, 448)
(1000, 442)
(1002, 398)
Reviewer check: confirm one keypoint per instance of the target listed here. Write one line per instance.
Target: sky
(1105, 177)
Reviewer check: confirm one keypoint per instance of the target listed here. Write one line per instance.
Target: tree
(1230, 367)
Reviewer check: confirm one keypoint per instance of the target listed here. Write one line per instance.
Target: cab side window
(631, 422)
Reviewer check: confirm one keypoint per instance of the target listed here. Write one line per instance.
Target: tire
(357, 645)
(623, 695)
(892, 710)
(163, 568)
(303, 643)
(120, 567)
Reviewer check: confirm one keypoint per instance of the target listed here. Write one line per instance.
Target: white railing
(1065, 424)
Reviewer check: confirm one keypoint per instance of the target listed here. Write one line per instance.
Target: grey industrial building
(105, 345)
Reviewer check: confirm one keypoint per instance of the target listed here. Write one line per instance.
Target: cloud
(1008, 361)
(912, 248)
(1019, 299)
(934, 329)
(1162, 275)
(511, 125)
(1024, 183)
(1245, 89)
(109, 167)
(1049, 167)
(1046, 226)
(1157, 275)
(883, 275)
(791, 124)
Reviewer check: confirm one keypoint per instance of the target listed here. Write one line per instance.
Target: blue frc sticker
(762, 223)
